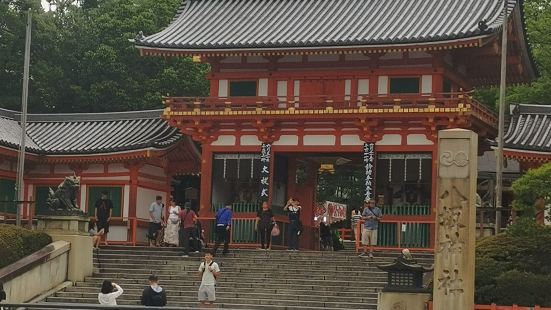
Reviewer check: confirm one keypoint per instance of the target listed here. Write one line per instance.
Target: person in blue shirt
(371, 215)
(223, 226)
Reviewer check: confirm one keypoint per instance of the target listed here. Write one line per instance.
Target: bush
(515, 268)
(17, 242)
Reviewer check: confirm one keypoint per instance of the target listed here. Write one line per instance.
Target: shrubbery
(17, 242)
(515, 267)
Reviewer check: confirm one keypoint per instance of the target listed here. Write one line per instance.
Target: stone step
(191, 295)
(368, 286)
(244, 301)
(136, 289)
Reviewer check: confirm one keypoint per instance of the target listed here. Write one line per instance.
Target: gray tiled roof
(529, 128)
(230, 24)
(89, 133)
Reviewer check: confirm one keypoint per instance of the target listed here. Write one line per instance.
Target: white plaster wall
(225, 140)
(287, 140)
(145, 198)
(256, 59)
(250, 140)
(296, 91)
(222, 88)
(94, 168)
(383, 85)
(323, 57)
(347, 89)
(126, 200)
(40, 278)
(157, 171)
(117, 168)
(351, 140)
(282, 90)
(262, 87)
(83, 196)
(426, 84)
(418, 139)
(117, 233)
(390, 139)
(363, 87)
(63, 169)
(319, 140)
(291, 58)
(141, 234)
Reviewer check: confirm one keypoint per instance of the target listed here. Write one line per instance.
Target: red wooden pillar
(134, 170)
(206, 180)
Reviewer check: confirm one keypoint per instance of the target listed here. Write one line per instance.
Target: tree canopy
(82, 59)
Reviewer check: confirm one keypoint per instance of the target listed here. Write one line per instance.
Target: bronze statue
(62, 201)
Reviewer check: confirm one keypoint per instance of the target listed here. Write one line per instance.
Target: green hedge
(515, 268)
(17, 242)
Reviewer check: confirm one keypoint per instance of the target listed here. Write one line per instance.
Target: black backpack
(157, 298)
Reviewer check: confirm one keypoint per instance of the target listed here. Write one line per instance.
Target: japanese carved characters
(265, 171)
(369, 156)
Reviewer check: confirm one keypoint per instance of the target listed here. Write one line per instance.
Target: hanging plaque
(265, 171)
(369, 160)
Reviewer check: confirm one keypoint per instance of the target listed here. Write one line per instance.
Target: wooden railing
(495, 307)
(394, 234)
(438, 100)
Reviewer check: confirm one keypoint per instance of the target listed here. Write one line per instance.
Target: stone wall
(36, 273)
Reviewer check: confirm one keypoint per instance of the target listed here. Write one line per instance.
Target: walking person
(153, 295)
(172, 229)
(223, 226)
(355, 217)
(209, 273)
(109, 293)
(293, 210)
(102, 213)
(264, 225)
(155, 220)
(371, 215)
(188, 218)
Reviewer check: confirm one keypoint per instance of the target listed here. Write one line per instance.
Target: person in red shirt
(188, 218)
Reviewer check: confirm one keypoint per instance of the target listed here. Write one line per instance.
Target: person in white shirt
(109, 293)
(209, 272)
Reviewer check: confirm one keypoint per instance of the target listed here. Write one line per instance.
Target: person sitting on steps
(153, 295)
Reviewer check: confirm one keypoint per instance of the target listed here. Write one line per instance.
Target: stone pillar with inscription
(454, 259)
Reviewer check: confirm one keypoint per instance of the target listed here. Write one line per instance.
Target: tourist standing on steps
(188, 218)
(209, 273)
(155, 220)
(355, 217)
(264, 225)
(109, 293)
(172, 229)
(153, 295)
(103, 212)
(293, 210)
(223, 227)
(371, 215)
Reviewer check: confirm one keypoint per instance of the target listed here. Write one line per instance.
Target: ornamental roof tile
(239, 24)
(529, 128)
(88, 133)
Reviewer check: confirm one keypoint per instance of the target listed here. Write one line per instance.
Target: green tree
(534, 184)
(82, 59)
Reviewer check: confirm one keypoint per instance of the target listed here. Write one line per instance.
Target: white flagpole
(501, 125)
(19, 193)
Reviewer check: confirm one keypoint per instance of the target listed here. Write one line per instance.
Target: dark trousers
(293, 235)
(222, 235)
(265, 235)
(186, 233)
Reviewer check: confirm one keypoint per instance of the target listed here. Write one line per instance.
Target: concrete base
(402, 301)
(72, 229)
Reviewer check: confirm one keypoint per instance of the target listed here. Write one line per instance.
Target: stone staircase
(251, 279)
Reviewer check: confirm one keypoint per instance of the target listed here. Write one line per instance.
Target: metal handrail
(11, 306)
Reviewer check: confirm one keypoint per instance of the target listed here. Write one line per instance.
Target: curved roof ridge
(97, 116)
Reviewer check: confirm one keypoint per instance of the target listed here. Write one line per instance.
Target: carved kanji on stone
(450, 282)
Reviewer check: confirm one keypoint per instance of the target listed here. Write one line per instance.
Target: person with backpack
(109, 293)
(223, 226)
(188, 219)
(264, 224)
(153, 295)
(209, 271)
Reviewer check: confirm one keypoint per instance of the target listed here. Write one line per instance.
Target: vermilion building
(322, 82)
